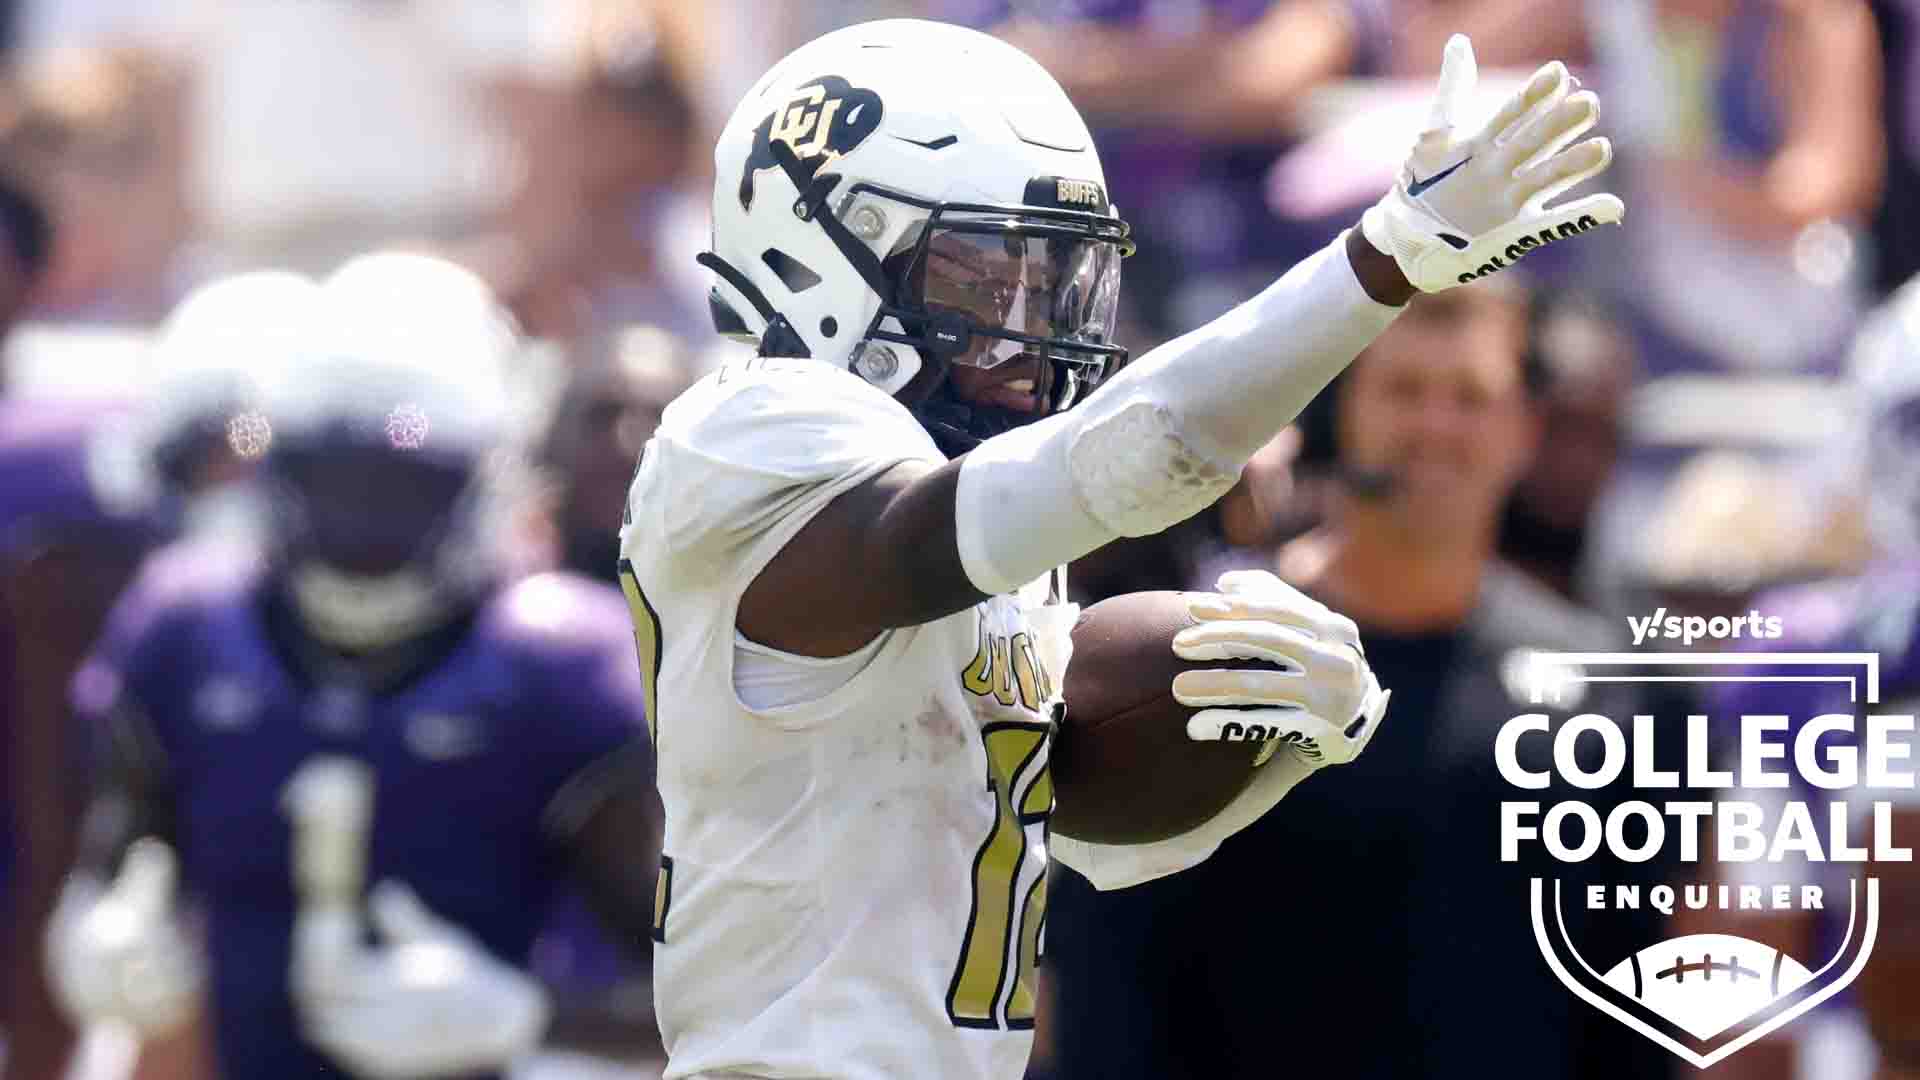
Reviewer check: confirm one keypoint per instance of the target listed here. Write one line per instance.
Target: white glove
(1469, 203)
(1323, 706)
(429, 1002)
(1324, 709)
(115, 953)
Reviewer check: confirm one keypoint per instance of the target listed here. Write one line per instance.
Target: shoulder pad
(795, 418)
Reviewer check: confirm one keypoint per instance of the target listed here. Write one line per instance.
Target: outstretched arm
(1167, 436)
(887, 553)
(921, 541)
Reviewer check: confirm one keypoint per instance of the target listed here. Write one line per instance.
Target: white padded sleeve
(1166, 436)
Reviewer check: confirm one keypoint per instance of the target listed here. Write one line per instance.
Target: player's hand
(1323, 708)
(1473, 201)
(115, 953)
(1323, 705)
(429, 1001)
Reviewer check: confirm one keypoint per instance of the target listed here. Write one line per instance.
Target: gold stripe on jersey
(646, 642)
(662, 898)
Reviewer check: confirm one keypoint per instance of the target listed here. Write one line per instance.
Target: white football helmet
(206, 373)
(907, 198)
(395, 453)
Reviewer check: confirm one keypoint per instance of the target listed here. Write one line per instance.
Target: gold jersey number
(1023, 796)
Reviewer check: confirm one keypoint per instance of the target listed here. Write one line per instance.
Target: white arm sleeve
(1166, 436)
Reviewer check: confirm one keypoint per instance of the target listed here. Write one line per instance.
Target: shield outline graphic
(1789, 1008)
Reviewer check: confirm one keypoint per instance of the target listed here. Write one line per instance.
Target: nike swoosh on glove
(1470, 203)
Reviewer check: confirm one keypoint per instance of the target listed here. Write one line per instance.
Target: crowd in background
(1714, 401)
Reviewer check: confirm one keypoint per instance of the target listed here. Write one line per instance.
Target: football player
(26, 241)
(1876, 611)
(90, 487)
(610, 407)
(26, 247)
(840, 551)
(369, 755)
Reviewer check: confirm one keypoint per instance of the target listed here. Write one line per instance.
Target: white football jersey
(854, 886)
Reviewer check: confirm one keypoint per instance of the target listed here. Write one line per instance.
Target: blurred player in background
(88, 488)
(1896, 228)
(1876, 611)
(609, 410)
(363, 698)
(1585, 366)
(98, 132)
(615, 200)
(26, 244)
(26, 240)
(912, 223)
(609, 407)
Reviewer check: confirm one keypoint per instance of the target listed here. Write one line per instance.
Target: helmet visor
(1037, 293)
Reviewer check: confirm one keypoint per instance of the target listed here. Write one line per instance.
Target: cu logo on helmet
(823, 119)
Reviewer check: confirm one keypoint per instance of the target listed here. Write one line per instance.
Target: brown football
(1124, 771)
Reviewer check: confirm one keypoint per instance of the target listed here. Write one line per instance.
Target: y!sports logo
(1759, 814)
(1687, 629)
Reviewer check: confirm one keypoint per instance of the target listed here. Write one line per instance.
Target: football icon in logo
(1707, 983)
(1706, 996)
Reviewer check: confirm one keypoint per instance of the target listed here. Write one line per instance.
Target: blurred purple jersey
(1874, 613)
(477, 760)
(43, 467)
(1878, 612)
